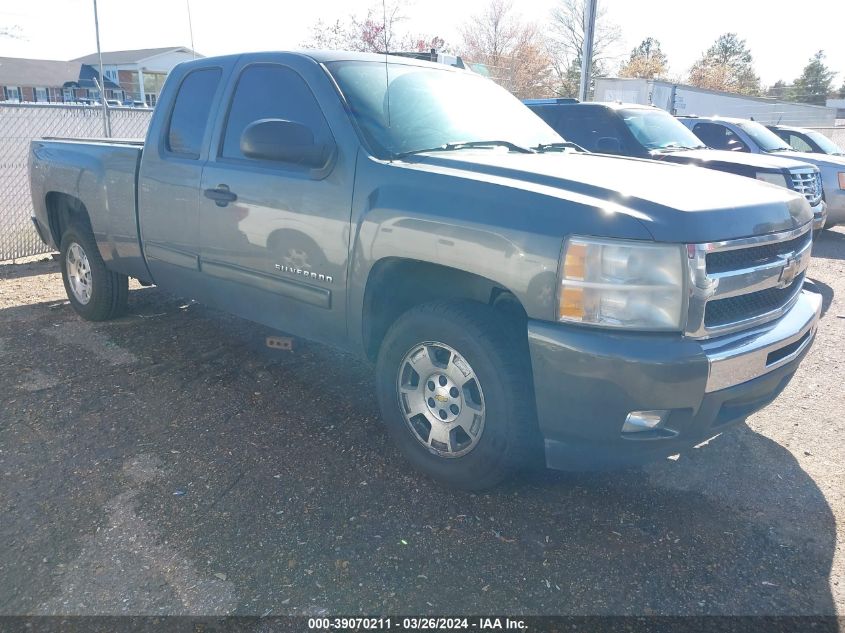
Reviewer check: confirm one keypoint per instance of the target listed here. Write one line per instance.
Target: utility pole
(102, 83)
(587, 52)
(191, 29)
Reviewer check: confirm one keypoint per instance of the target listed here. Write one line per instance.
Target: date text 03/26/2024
(416, 624)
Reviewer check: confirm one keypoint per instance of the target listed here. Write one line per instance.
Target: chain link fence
(20, 124)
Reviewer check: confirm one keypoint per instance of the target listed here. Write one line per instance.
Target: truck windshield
(403, 109)
(825, 144)
(657, 129)
(764, 137)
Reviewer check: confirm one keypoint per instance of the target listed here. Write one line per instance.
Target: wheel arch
(395, 285)
(63, 210)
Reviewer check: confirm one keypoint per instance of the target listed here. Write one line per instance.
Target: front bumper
(588, 380)
(819, 215)
(835, 199)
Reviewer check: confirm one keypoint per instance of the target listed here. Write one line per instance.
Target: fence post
(106, 113)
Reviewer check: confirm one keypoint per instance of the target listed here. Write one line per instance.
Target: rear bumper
(587, 381)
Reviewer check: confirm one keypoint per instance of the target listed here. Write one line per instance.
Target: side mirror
(608, 145)
(285, 142)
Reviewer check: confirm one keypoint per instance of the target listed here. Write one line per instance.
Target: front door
(275, 236)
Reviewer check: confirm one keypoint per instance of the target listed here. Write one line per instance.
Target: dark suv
(649, 132)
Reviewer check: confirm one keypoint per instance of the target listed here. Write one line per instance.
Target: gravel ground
(170, 463)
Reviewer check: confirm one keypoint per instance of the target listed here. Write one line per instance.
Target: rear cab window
(189, 118)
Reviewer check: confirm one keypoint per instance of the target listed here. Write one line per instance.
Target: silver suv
(742, 135)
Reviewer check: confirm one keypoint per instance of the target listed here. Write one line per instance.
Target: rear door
(277, 248)
(169, 179)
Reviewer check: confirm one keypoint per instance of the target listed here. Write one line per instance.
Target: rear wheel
(454, 386)
(95, 293)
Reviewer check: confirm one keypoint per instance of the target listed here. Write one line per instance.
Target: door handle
(221, 195)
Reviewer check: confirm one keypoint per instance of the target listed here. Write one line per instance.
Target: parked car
(741, 135)
(517, 297)
(804, 140)
(648, 132)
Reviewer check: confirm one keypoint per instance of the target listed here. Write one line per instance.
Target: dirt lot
(168, 462)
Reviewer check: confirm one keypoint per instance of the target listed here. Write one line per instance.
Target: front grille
(724, 261)
(740, 308)
(736, 284)
(808, 184)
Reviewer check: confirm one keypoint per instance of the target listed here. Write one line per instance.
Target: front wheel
(454, 386)
(95, 292)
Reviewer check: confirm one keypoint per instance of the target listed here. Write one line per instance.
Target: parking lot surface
(171, 463)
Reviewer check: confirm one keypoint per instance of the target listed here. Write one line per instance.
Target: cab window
(270, 91)
(190, 115)
(799, 142)
(718, 136)
(591, 128)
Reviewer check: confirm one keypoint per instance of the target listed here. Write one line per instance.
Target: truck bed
(102, 173)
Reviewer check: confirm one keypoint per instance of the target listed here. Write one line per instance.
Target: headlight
(624, 284)
(842, 179)
(772, 179)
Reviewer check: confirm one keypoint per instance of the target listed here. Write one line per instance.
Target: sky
(64, 29)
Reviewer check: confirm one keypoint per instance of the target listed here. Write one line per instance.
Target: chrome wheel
(78, 273)
(441, 399)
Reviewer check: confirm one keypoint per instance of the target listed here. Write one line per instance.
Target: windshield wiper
(451, 147)
(676, 146)
(551, 147)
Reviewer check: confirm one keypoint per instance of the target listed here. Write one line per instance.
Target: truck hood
(675, 203)
(819, 160)
(702, 157)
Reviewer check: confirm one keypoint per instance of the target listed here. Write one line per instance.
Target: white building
(141, 73)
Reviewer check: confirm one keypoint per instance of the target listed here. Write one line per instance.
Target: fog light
(640, 421)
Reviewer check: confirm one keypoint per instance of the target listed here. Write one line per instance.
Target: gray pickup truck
(519, 298)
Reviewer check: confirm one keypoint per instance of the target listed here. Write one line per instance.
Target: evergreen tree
(815, 82)
(777, 90)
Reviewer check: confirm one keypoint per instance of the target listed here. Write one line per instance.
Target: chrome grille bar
(781, 271)
(808, 184)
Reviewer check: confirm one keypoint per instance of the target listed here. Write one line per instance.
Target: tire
(95, 293)
(499, 380)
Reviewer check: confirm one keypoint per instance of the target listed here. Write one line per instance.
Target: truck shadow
(823, 289)
(287, 481)
(830, 244)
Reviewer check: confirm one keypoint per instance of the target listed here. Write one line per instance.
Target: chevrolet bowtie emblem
(789, 272)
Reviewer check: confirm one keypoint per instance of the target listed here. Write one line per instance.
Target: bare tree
(496, 41)
(379, 30)
(566, 43)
